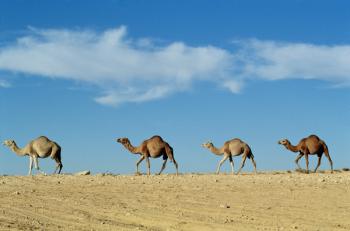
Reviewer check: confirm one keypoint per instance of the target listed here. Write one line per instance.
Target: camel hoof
(138, 174)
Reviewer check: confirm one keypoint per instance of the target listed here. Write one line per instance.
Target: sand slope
(267, 201)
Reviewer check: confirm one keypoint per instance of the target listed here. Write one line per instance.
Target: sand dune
(266, 201)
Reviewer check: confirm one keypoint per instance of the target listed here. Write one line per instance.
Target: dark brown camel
(153, 147)
(309, 146)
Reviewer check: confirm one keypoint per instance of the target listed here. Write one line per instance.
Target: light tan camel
(234, 147)
(153, 147)
(41, 147)
(309, 146)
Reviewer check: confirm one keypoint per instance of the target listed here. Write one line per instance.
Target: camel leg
(254, 164)
(298, 158)
(307, 162)
(242, 163)
(36, 165)
(220, 163)
(56, 155)
(148, 166)
(30, 166)
(137, 164)
(318, 163)
(169, 153)
(58, 166)
(329, 159)
(232, 164)
(176, 166)
(163, 166)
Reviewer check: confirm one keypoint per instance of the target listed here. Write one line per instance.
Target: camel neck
(131, 148)
(18, 150)
(292, 147)
(215, 150)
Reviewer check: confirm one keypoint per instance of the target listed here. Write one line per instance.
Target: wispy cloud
(272, 60)
(138, 70)
(126, 70)
(4, 84)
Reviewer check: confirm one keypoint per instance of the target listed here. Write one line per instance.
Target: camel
(309, 146)
(41, 147)
(234, 147)
(153, 147)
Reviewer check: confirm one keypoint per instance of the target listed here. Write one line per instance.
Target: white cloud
(274, 60)
(115, 63)
(138, 70)
(233, 85)
(134, 95)
(4, 84)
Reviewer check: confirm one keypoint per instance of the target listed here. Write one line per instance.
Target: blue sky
(86, 72)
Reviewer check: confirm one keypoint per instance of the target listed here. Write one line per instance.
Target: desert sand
(265, 201)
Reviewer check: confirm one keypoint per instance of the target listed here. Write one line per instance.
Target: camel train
(156, 147)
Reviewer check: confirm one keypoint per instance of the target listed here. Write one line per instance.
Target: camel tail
(325, 148)
(251, 155)
(326, 152)
(58, 154)
(58, 160)
(169, 153)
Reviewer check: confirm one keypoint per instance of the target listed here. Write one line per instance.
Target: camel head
(284, 142)
(123, 140)
(9, 143)
(208, 144)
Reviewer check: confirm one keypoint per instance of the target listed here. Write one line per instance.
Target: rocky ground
(266, 201)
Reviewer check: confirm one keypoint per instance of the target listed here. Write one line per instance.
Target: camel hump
(43, 138)
(234, 140)
(156, 137)
(314, 137)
